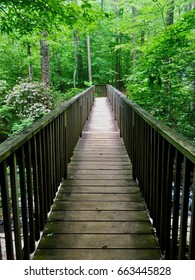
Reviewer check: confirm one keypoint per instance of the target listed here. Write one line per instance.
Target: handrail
(163, 165)
(32, 165)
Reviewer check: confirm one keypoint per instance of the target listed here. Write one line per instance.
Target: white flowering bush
(29, 100)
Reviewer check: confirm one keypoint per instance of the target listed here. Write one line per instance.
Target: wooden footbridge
(102, 179)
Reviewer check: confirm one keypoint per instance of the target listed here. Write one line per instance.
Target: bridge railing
(164, 167)
(32, 166)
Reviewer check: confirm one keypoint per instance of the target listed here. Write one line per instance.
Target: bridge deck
(99, 212)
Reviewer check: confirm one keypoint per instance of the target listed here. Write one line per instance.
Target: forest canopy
(50, 50)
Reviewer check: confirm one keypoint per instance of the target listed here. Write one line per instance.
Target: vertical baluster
(176, 203)
(168, 200)
(163, 193)
(40, 180)
(144, 158)
(133, 145)
(36, 188)
(45, 163)
(61, 146)
(192, 230)
(147, 167)
(150, 170)
(25, 214)
(15, 206)
(184, 208)
(158, 184)
(154, 176)
(53, 157)
(30, 196)
(56, 151)
(48, 164)
(6, 210)
(141, 179)
(0, 250)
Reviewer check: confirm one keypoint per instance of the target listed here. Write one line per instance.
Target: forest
(51, 50)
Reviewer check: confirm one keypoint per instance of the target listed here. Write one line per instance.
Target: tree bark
(89, 59)
(45, 59)
(170, 13)
(117, 65)
(134, 38)
(30, 69)
(75, 62)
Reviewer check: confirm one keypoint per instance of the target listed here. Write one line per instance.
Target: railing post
(30, 197)
(176, 200)
(192, 230)
(6, 211)
(23, 190)
(15, 205)
(184, 209)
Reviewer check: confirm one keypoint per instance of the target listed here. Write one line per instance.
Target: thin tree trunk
(75, 61)
(30, 69)
(134, 39)
(89, 59)
(192, 6)
(117, 65)
(143, 34)
(170, 13)
(45, 59)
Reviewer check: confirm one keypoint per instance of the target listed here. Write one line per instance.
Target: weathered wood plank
(126, 182)
(99, 189)
(76, 171)
(97, 206)
(98, 197)
(98, 241)
(99, 215)
(99, 177)
(98, 227)
(97, 254)
(100, 165)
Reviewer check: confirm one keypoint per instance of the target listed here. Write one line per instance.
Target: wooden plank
(99, 177)
(98, 197)
(99, 189)
(97, 206)
(99, 215)
(97, 254)
(101, 241)
(100, 166)
(98, 227)
(76, 171)
(127, 182)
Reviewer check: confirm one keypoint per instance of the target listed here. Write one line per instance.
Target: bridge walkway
(99, 212)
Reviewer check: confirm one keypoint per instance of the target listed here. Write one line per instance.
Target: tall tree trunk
(192, 6)
(75, 61)
(134, 39)
(45, 59)
(80, 61)
(143, 34)
(30, 69)
(170, 13)
(117, 65)
(89, 59)
(168, 81)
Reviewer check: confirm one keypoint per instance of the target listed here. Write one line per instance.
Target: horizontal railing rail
(32, 165)
(163, 165)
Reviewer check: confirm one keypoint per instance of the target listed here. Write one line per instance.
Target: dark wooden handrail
(32, 165)
(164, 166)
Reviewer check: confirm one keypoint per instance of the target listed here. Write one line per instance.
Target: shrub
(29, 100)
